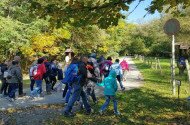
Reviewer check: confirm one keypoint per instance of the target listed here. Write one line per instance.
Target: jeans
(91, 92)
(32, 82)
(38, 88)
(48, 84)
(106, 104)
(78, 91)
(4, 86)
(120, 81)
(12, 89)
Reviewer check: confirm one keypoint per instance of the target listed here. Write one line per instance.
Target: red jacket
(41, 70)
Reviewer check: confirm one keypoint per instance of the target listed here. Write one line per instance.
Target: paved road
(133, 80)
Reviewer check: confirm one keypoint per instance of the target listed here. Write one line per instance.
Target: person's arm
(18, 74)
(101, 84)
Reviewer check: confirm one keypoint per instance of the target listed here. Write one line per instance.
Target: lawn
(149, 105)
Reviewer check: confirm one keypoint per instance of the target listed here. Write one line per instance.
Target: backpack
(106, 67)
(71, 74)
(7, 74)
(34, 70)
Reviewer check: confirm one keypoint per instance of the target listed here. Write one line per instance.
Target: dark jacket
(82, 73)
(16, 74)
(4, 67)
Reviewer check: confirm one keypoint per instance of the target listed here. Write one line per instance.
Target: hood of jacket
(112, 74)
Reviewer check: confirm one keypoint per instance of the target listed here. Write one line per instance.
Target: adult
(53, 73)
(117, 68)
(14, 78)
(4, 86)
(20, 85)
(78, 89)
(46, 75)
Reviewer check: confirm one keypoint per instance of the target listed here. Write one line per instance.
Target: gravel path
(133, 80)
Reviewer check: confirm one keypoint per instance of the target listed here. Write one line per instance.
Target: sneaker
(48, 93)
(123, 89)
(10, 99)
(101, 112)
(1, 95)
(90, 112)
(117, 113)
(66, 103)
(70, 114)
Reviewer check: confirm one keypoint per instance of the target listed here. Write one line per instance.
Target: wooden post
(159, 66)
(156, 63)
(188, 70)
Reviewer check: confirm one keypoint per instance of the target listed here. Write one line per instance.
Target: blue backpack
(71, 74)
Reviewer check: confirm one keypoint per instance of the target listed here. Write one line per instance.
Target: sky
(137, 15)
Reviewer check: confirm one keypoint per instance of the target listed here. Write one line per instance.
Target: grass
(149, 105)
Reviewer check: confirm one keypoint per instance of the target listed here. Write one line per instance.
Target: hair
(14, 62)
(109, 58)
(40, 60)
(75, 59)
(117, 60)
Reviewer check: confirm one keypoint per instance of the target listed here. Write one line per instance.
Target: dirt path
(133, 80)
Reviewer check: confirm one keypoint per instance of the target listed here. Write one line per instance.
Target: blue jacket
(109, 84)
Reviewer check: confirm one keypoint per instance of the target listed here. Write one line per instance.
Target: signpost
(171, 28)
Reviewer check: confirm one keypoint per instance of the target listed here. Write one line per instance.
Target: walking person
(105, 67)
(110, 88)
(118, 69)
(14, 77)
(4, 86)
(53, 73)
(38, 71)
(20, 85)
(125, 68)
(78, 90)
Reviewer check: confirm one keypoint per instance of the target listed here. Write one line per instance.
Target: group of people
(80, 76)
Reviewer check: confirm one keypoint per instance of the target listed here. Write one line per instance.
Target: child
(125, 67)
(110, 88)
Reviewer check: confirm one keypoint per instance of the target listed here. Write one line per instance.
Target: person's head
(109, 58)
(53, 61)
(84, 59)
(17, 58)
(93, 55)
(40, 60)
(15, 62)
(44, 58)
(75, 59)
(117, 60)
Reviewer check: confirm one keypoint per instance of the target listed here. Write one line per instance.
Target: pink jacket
(124, 65)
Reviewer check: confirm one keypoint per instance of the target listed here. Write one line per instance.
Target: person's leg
(74, 97)
(65, 90)
(53, 82)
(85, 102)
(32, 82)
(93, 96)
(105, 105)
(39, 85)
(48, 85)
(114, 104)
(14, 87)
(120, 81)
(20, 88)
(5, 89)
(68, 94)
(2, 86)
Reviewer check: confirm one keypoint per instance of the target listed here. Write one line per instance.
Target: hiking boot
(69, 114)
